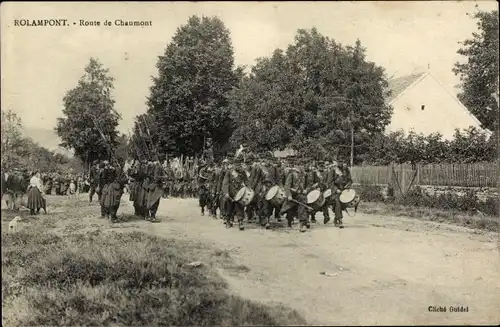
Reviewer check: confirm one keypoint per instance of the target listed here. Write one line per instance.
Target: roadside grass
(460, 218)
(104, 277)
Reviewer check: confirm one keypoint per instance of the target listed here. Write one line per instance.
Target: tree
(479, 75)
(188, 100)
(90, 122)
(122, 147)
(316, 93)
(262, 106)
(12, 142)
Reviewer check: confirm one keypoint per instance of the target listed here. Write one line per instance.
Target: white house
(423, 105)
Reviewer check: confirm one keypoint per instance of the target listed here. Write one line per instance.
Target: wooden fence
(460, 175)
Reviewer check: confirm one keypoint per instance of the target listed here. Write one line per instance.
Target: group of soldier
(219, 184)
(216, 185)
(107, 180)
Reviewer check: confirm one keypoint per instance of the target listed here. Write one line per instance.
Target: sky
(40, 64)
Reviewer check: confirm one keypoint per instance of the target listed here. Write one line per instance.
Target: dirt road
(380, 270)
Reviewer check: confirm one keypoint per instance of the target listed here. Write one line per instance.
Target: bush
(370, 193)
(128, 279)
(449, 201)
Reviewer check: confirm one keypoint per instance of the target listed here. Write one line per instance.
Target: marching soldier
(268, 178)
(234, 179)
(203, 188)
(312, 182)
(223, 201)
(93, 179)
(253, 174)
(142, 191)
(114, 182)
(214, 195)
(323, 180)
(339, 179)
(156, 189)
(295, 189)
(278, 176)
(133, 174)
(104, 181)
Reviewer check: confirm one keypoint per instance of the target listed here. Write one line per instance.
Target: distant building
(285, 153)
(423, 105)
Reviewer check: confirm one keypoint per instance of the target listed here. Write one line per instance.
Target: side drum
(245, 196)
(276, 196)
(315, 199)
(349, 198)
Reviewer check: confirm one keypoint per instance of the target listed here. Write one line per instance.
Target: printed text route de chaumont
(82, 22)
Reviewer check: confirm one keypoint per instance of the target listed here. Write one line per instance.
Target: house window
(422, 107)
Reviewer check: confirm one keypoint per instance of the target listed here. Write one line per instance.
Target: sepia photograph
(250, 163)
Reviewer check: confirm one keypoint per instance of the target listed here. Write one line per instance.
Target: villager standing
(36, 199)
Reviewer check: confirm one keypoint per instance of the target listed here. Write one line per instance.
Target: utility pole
(352, 144)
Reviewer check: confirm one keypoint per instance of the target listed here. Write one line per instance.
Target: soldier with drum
(339, 179)
(234, 180)
(296, 193)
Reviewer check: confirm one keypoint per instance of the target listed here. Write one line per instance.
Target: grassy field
(60, 271)
(459, 218)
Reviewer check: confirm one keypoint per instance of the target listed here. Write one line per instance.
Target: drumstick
(302, 204)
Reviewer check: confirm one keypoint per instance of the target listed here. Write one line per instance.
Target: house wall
(442, 112)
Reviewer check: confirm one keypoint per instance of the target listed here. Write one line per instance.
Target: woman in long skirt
(36, 199)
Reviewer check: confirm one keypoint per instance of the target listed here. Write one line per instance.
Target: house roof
(400, 84)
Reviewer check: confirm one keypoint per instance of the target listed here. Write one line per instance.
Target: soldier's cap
(225, 161)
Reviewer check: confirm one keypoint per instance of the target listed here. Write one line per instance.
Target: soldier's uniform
(94, 180)
(223, 201)
(264, 183)
(203, 189)
(105, 179)
(322, 173)
(234, 179)
(253, 174)
(295, 188)
(157, 176)
(133, 174)
(141, 190)
(114, 182)
(214, 195)
(278, 176)
(338, 179)
(312, 182)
